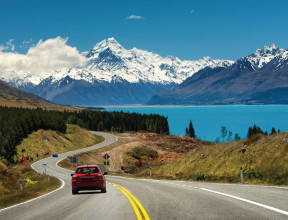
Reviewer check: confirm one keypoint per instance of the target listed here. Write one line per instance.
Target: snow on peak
(109, 61)
(110, 43)
(264, 55)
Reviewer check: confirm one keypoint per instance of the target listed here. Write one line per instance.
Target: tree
(223, 132)
(230, 135)
(273, 131)
(190, 131)
(254, 130)
(237, 137)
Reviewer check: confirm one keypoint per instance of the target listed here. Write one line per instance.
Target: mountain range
(260, 78)
(111, 75)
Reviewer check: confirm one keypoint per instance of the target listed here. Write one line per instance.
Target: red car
(88, 177)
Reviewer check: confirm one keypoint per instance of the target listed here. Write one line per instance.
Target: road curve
(160, 199)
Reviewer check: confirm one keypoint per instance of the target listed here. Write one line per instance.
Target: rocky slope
(260, 78)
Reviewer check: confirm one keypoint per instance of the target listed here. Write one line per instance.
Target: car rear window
(83, 170)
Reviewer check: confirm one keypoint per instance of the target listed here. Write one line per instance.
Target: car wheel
(74, 191)
(103, 190)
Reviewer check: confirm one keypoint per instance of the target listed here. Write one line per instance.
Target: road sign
(73, 159)
(23, 159)
(106, 156)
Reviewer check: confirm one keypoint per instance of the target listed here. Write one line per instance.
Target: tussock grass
(264, 160)
(91, 157)
(41, 143)
(12, 101)
(10, 192)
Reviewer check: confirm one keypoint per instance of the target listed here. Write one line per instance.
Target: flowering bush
(29, 182)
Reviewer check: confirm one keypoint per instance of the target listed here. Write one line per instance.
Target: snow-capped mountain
(264, 55)
(108, 61)
(111, 74)
(260, 78)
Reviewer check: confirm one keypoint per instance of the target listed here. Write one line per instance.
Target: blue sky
(186, 29)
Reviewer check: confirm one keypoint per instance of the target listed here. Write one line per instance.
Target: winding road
(129, 198)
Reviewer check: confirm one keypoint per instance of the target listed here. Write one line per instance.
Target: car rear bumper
(88, 185)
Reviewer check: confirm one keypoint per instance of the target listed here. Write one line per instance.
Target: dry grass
(10, 193)
(43, 143)
(39, 143)
(11, 101)
(264, 160)
(92, 157)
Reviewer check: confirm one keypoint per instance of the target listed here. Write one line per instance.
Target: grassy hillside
(13, 97)
(264, 160)
(91, 157)
(41, 143)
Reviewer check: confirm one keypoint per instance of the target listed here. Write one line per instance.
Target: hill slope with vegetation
(13, 97)
(264, 160)
(36, 146)
(16, 124)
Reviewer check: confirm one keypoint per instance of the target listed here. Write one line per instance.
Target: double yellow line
(133, 200)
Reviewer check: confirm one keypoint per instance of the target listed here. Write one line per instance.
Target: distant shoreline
(168, 106)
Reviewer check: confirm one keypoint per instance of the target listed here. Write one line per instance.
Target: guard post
(21, 185)
(241, 169)
(44, 166)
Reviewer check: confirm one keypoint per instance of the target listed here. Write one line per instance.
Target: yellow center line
(139, 217)
(138, 203)
(115, 184)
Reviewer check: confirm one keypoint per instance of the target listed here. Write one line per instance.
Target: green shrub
(200, 176)
(144, 151)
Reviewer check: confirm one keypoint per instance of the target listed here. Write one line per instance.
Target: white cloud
(192, 11)
(9, 46)
(135, 17)
(26, 43)
(46, 56)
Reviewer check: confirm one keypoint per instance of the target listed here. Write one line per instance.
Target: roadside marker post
(44, 165)
(21, 185)
(106, 157)
(241, 169)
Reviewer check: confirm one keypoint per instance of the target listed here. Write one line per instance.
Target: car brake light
(100, 177)
(74, 178)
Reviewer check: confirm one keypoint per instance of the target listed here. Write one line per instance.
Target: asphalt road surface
(128, 198)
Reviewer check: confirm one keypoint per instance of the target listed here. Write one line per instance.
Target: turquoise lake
(207, 121)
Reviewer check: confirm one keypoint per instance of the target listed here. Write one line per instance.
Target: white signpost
(44, 165)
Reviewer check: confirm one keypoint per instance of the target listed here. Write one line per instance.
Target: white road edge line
(63, 184)
(248, 201)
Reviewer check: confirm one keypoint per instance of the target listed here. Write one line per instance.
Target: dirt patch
(169, 148)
